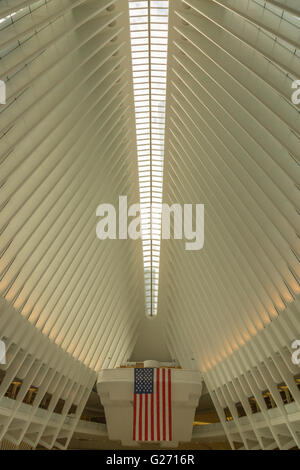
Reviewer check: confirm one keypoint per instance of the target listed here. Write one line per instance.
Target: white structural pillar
(116, 391)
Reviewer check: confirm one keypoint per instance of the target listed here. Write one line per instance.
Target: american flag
(152, 408)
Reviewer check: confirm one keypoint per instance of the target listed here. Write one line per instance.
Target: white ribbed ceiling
(71, 139)
(68, 145)
(232, 144)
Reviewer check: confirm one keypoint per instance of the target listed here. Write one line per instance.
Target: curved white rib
(71, 303)
(232, 143)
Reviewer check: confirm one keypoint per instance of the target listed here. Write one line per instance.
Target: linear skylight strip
(149, 42)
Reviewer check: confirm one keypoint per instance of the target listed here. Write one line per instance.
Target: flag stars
(143, 380)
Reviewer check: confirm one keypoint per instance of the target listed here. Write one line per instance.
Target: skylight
(149, 43)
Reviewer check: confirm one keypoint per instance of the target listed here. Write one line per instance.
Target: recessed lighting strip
(149, 43)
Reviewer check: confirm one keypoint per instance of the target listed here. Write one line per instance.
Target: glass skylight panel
(149, 42)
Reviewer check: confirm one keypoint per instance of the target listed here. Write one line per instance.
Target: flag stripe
(164, 403)
(140, 417)
(146, 417)
(134, 417)
(170, 404)
(152, 417)
(157, 405)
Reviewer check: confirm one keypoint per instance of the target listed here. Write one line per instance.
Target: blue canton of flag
(143, 380)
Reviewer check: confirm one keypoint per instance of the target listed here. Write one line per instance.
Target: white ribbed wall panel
(71, 304)
(232, 143)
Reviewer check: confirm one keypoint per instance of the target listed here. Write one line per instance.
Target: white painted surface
(116, 390)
